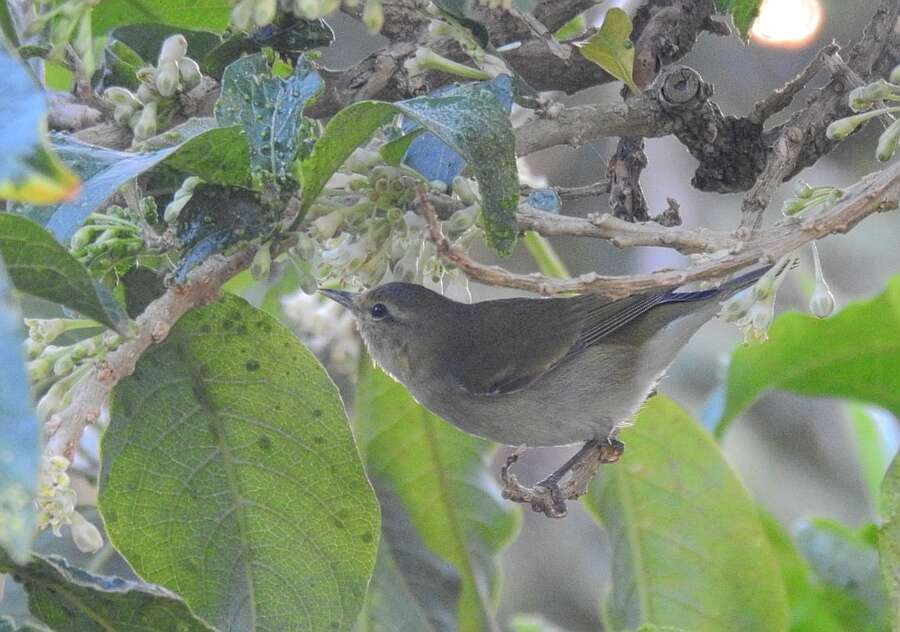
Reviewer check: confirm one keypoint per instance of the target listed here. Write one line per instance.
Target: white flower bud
(167, 78)
(887, 142)
(85, 535)
(373, 16)
(264, 12)
(120, 96)
(146, 94)
(821, 303)
(242, 14)
(173, 49)
(326, 226)
(146, 124)
(190, 73)
(122, 114)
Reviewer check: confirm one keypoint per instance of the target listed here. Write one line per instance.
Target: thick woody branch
(64, 429)
(801, 141)
(873, 194)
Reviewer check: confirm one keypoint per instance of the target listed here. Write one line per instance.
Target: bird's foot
(548, 496)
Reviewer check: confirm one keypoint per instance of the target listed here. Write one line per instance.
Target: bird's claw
(548, 496)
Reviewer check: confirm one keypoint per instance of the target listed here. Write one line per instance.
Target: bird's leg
(548, 497)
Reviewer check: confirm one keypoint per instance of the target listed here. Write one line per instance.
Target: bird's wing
(514, 342)
(514, 347)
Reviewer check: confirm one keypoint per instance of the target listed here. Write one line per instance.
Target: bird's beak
(340, 296)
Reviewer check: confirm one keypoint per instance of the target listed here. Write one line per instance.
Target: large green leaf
(854, 354)
(889, 538)
(40, 266)
(240, 485)
(470, 120)
(845, 563)
(811, 605)
(20, 434)
(440, 476)
(29, 171)
(269, 108)
(209, 15)
(72, 600)
(688, 548)
(611, 47)
(412, 590)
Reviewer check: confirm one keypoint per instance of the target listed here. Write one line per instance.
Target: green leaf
(846, 565)
(889, 538)
(12, 624)
(220, 155)
(412, 590)
(743, 13)
(392, 152)
(440, 476)
(20, 446)
(73, 600)
(40, 266)
(29, 171)
(873, 455)
(7, 27)
(611, 49)
(811, 606)
(670, 567)
(207, 15)
(470, 120)
(241, 485)
(270, 110)
(854, 354)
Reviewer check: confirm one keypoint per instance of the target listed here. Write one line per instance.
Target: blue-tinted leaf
(270, 110)
(105, 171)
(29, 171)
(429, 155)
(20, 434)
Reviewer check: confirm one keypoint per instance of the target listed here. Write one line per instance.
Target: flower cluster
(143, 110)
(327, 329)
(355, 237)
(753, 308)
(55, 370)
(870, 102)
(249, 14)
(56, 502)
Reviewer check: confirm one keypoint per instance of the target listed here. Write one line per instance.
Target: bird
(533, 372)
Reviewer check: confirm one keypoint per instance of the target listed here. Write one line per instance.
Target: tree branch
(65, 428)
(873, 194)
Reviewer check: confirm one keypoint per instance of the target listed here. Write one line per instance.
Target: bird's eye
(378, 311)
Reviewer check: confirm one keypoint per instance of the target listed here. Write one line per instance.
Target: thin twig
(782, 97)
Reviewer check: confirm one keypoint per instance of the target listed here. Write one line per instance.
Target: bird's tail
(722, 292)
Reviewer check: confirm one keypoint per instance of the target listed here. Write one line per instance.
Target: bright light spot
(788, 23)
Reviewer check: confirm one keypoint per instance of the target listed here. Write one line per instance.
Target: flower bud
(863, 97)
(465, 190)
(462, 219)
(326, 226)
(262, 263)
(146, 125)
(63, 365)
(887, 142)
(842, 128)
(174, 48)
(120, 96)
(39, 369)
(242, 14)
(146, 94)
(821, 303)
(264, 12)
(190, 73)
(181, 198)
(167, 78)
(373, 16)
(122, 114)
(85, 535)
